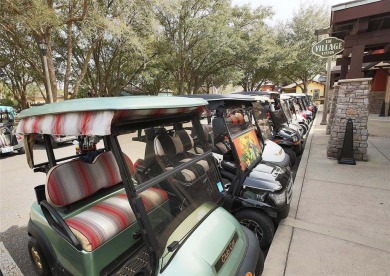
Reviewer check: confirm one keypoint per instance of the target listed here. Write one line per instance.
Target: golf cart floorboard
(135, 264)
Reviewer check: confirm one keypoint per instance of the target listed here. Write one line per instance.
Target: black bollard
(383, 108)
(346, 156)
(388, 113)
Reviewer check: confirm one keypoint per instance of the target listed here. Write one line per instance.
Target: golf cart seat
(102, 217)
(222, 145)
(174, 150)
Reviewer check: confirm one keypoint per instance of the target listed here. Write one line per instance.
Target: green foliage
(296, 38)
(100, 48)
(258, 48)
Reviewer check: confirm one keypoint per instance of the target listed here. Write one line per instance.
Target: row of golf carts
(9, 140)
(187, 186)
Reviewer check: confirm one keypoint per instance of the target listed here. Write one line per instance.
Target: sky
(283, 9)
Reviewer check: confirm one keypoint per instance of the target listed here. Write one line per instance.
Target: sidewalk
(339, 222)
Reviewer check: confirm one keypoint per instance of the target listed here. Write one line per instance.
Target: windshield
(178, 185)
(297, 105)
(286, 110)
(261, 117)
(278, 118)
(301, 103)
(243, 135)
(6, 116)
(305, 101)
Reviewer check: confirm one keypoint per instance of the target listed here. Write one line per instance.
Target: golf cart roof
(221, 97)
(295, 94)
(260, 93)
(269, 94)
(4, 108)
(263, 98)
(285, 96)
(217, 100)
(94, 116)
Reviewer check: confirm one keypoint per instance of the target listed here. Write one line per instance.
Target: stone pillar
(352, 103)
(332, 110)
(387, 95)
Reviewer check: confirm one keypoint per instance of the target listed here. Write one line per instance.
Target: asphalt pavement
(339, 222)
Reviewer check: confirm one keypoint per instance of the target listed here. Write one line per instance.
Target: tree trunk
(50, 65)
(305, 86)
(69, 47)
(84, 69)
(23, 97)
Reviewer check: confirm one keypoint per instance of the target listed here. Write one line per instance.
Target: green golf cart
(109, 211)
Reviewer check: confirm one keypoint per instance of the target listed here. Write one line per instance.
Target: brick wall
(332, 109)
(352, 103)
(375, 99)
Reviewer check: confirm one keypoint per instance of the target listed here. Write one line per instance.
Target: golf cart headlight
(278, 198)
(254, 194)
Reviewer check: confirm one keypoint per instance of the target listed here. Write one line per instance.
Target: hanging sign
(328, 47)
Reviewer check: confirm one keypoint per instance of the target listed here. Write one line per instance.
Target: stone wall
(332, 109)
(376, 99)
(352, 103)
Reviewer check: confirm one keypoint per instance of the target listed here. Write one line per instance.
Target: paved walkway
(339, 222)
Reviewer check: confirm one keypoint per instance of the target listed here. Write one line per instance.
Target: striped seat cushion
(99, 223)
(222, 147)
(176, 148)
(236, 119)
(190, 174)
(75, 180)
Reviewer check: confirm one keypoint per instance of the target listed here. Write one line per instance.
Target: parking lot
(17, 195)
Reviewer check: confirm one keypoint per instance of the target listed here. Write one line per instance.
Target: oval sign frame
(328, 47)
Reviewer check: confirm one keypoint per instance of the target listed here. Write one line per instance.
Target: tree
(96, 47)
(298, 64)
(258, 50)
(198, 42)
(19, 66)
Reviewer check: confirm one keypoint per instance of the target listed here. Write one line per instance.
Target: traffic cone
(346, 156)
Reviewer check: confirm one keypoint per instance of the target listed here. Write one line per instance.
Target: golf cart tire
(251, 218)
(37, 257)
(292, 154)
(260, 264)
(304, 128)
(22, 151)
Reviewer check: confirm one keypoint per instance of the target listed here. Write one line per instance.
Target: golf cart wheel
(259, 223)
(304, 129)
(260, 264)
(292, 154)
(37, 258)
(22, 151)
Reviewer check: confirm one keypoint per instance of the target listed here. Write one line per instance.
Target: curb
(277, 257)
(7, 265)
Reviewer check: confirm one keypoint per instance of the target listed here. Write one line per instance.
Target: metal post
(325, 109)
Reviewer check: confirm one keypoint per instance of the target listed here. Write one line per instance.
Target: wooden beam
(360, 26)
(355, 70)
(367, 58)
(351, 13)
(368, 39)
(346, 52)
(344, 68)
